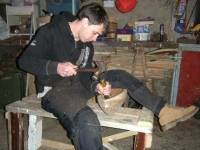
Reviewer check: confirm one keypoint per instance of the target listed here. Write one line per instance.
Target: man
(64, 45)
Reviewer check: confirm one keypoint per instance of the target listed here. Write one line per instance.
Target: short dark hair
(95, 13)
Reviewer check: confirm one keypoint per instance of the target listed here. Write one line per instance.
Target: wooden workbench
(136, 122)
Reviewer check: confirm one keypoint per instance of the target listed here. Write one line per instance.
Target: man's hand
(66, 69)
(103, 90)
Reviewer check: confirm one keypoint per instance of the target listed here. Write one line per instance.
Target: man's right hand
(66, 69)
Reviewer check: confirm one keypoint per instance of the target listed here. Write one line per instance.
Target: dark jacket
(52, 44)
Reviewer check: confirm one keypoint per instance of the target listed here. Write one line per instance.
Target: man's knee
(86, 118)
(84, 121)
(46, 104)
(88, 135)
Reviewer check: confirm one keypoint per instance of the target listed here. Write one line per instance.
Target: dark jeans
(69, 105)
(136, 89)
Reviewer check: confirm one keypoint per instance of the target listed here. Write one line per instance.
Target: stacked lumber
(159, 66)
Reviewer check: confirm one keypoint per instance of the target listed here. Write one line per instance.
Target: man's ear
(85, 22)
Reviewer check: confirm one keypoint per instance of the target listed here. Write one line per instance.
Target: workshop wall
(160, 10)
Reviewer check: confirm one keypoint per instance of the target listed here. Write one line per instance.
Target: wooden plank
(148, 141)
(35, 132)
(28, 108)
(31, 86)
(123, 59)
(17, 131)
(110, 146)
(8, 117)
(31, 99)
(146, 118)
(163, 65)
(57, 145)
(139, 142)
(26, 145)
(121, 111)
(164, 51)
(124, 118)
(118, 136)
(104, 53)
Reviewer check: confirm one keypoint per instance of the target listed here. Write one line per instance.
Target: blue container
(179, 28)
(124, 31)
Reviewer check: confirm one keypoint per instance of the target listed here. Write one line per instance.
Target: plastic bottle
(161, 32)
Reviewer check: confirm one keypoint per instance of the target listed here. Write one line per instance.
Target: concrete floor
(185, 136)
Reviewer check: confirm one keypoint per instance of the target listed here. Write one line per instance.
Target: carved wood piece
(111, 105)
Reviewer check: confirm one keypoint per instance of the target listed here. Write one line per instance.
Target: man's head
(94, 22)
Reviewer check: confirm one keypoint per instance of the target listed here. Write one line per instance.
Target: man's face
(89, 33)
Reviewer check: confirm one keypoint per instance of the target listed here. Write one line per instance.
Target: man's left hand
(104, 90)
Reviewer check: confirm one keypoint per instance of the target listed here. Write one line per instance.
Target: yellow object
(103, 83)
(130, 24)
(196, 28)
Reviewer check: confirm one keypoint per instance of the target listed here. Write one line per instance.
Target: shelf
(18, 15)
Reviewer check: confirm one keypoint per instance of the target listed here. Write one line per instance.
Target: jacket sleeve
(85, 77)
(35, 57)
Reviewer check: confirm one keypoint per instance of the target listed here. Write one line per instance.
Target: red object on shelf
(125, 6)
(30, 2)
(189, 79)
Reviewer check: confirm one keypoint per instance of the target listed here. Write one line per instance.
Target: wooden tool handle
(103, 84)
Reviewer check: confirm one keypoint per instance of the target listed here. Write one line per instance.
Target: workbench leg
(139, 143)
(7, 116)
(15, 130)
(34, 132)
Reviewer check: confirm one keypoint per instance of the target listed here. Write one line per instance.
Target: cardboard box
(124, 34)
(42, 21)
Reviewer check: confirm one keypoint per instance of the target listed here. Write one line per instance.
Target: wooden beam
(139, 141)
(110, 146)
(8, 117)
(17, 131)
(35, 132)
(57, 145)
(118, 136)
